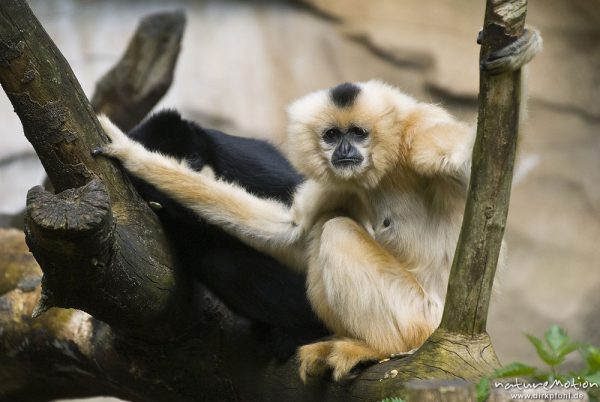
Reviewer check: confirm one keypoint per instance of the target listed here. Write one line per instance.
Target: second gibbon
(374, 226)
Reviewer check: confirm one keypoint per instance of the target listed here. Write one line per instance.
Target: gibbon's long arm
(266, 225)
(438, 144)
(442, 145)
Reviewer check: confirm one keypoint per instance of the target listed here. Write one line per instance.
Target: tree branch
(478, 248)
(61, 125)
(145, 72)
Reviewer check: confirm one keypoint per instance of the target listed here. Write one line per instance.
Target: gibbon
(252, 284)
(374, 226)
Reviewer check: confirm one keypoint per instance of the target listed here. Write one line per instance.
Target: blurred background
(243, 61)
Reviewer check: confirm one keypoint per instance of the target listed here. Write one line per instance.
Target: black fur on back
(344, 94)
(251, 284)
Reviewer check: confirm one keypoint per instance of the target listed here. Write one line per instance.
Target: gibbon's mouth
(346, 163)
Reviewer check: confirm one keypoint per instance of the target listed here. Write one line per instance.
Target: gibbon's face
(347, 134)
(343, 141)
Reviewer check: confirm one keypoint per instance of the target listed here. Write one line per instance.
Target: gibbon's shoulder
(253, 163)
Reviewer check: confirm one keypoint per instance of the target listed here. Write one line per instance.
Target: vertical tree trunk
(478, 248)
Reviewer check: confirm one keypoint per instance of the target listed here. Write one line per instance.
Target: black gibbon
(375, 225)
(250, 283)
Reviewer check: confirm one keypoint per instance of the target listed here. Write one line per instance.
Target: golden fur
(375, 224)
(376, 241)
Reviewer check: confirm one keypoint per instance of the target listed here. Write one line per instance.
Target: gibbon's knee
(515, 55)
(343, 239)
(339, 232)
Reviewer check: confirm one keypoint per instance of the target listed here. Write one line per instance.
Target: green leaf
(547, 356)
(515, 369)
(559, 342)
(556, 336)
(392, 400)
(483, 389)
(592, 378)
(591, 355)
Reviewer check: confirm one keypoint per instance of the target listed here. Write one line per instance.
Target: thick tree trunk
(103, 251)
(61, 125)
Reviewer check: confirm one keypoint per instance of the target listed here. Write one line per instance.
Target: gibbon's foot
(513, 56)
(313, 359)
(344, 357)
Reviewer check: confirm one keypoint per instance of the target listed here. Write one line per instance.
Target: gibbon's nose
(346, 149)
(346, 154)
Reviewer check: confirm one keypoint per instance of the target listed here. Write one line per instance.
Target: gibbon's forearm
(266, 225)
(442, 145)
(439, 144)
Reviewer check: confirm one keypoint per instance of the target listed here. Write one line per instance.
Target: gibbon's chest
(415, 224)
(396, 215)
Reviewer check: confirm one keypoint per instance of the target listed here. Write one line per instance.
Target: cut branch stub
(145, 72)
(74, 213)
(88, 260)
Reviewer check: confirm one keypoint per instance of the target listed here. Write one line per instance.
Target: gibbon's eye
(332, 135)
(358, 133)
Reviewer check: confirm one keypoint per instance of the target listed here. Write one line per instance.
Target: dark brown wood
(125, 93)
(61, 125)
(145, 72)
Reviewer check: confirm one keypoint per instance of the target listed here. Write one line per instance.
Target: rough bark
(61, 125)
(476, 256)
(102, 251)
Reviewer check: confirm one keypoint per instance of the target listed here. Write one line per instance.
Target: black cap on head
(344, 94)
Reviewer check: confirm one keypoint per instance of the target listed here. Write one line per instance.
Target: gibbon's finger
(98, 151)
(515, 55)
(105, 151)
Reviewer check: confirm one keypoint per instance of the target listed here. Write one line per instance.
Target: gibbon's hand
(513, 56)
(120, 143)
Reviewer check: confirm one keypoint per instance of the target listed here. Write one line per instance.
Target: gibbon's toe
(313, 359)
(515, 55)
(347, 355)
